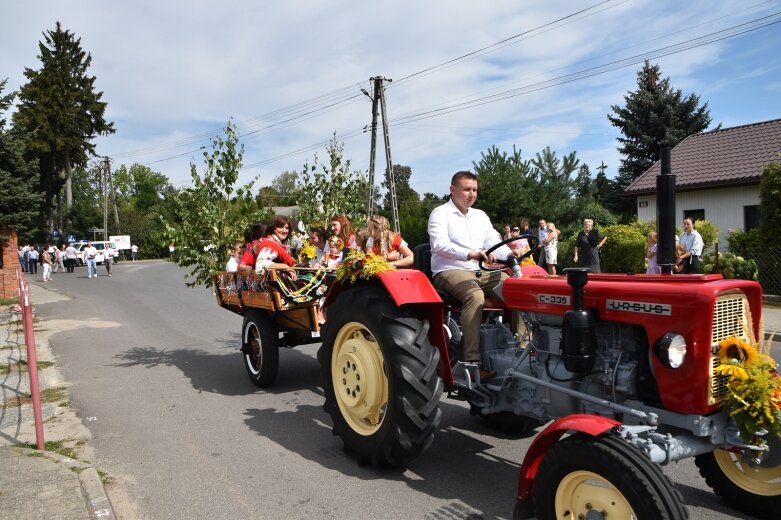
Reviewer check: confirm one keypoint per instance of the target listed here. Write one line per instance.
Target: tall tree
(209, 216)
(286, 189)
(331, 187)
(19, 196)
(655, 114)
(61, 108)
(506, 185)
(558, 195)
(407, 199)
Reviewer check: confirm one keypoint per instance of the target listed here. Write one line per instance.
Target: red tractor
(622, 364)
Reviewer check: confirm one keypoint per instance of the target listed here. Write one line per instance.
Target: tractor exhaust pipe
(579, 335)
(665, 214)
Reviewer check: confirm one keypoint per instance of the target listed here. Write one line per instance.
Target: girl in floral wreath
(387, 244)
(341, 227)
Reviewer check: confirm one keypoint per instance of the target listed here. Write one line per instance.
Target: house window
(643, 203)
(694, 214)
(750, 217)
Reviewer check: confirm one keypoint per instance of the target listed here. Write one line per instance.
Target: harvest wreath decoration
(753, 388)
(362, 265)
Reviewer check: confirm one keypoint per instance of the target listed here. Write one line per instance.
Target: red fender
(593, 425)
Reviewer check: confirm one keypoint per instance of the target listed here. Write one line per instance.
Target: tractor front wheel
(752, 489)
(603, 477)
(260, 349)
(380, 378)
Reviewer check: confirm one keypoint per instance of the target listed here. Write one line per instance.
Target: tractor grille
(730, 318)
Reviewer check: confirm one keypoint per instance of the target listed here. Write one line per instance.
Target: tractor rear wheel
(259, 347)
(603, 477)
(755, 490)
(380, 378)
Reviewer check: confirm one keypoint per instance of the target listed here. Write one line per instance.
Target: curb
(98, 504)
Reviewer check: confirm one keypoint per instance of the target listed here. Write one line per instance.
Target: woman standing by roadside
(551, 248)
(587, 246)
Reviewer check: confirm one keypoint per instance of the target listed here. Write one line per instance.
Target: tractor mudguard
(410, 287)
(593, 425)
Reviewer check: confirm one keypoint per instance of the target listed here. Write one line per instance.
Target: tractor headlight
(671, 349)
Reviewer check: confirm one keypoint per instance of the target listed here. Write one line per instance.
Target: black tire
(754, 490)
(260, 348)
(380, 378)
(583, 473)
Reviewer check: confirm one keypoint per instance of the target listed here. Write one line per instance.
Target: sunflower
(735, 350)
(731, 371)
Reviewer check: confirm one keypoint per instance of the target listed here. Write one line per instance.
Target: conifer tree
(654, 114)
(60, 107)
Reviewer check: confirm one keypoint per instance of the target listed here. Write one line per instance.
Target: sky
(465, 75)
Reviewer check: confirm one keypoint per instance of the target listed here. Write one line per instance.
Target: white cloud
(174, 71)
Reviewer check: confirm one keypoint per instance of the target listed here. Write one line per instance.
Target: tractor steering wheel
(511, 260)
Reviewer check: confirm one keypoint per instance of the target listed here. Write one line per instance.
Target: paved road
(174, 418)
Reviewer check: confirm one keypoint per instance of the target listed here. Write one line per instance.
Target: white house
(717, 176)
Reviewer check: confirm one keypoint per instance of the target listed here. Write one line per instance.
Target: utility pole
(106, 174)
(379, 99)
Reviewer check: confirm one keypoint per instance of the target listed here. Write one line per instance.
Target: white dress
(552, 251)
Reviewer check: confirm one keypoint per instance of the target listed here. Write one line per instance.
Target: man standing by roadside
(459, 237)
(133, 252)
(542, 236)
(70, 258)
(32, 260)
(90, 252)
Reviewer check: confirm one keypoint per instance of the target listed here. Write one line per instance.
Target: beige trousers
(470, 288)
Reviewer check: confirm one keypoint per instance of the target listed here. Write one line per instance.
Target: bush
(745, 244)
(601, 216)
(729, 265)
(769, 230)
(624, 251)
(709, 233)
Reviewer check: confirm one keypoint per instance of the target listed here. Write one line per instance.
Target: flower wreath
(753, 388)
(362, 265)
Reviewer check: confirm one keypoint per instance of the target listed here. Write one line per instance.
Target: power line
(692, 43)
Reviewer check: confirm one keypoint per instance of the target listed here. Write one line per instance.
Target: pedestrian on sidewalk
(133, 252)
(32, 260)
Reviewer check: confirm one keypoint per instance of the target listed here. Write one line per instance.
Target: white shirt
(90, 252)
(454, 235)
(692, 242)
(233, 265)
(134, 248)
(542, 234)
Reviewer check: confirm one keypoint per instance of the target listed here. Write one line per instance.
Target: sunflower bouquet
(753, 386)
(362, 265)
(308, 252)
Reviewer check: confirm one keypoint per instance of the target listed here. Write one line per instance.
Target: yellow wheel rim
(756, 480)
(359, 380)
(583, 494)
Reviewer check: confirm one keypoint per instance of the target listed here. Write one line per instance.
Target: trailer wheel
(259, 346)
(755, 490)
(603, 477)
(379, 378)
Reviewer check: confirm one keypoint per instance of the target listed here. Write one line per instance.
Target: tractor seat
(422, 254)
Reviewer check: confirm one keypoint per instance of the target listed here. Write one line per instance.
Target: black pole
(665, 214)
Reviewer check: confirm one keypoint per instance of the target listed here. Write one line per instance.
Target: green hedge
(770, 215)
(624, 251)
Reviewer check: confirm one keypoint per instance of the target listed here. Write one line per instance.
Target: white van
(103, 247)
